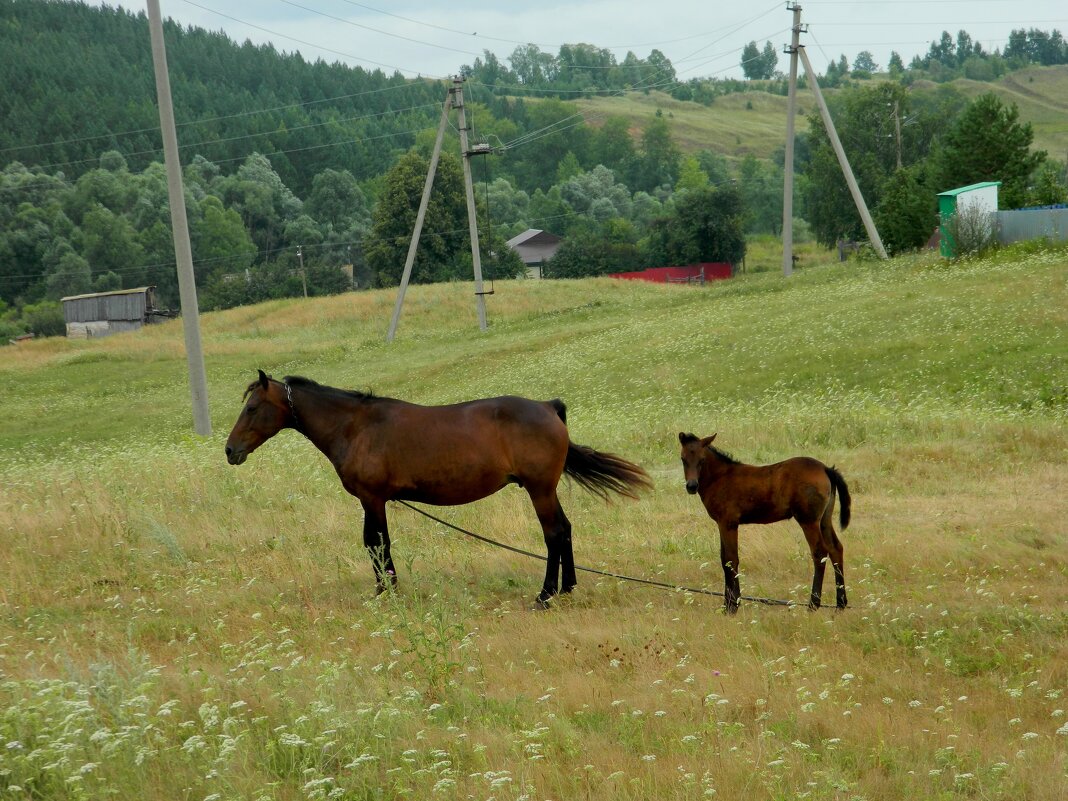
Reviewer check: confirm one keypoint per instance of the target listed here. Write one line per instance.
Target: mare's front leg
(376, 541)
(728, 556)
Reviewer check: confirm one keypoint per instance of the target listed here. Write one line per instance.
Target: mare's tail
(600, 472)
(844, 501)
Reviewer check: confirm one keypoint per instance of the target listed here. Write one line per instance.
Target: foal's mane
(723, 455)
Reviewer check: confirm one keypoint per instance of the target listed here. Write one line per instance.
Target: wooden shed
(101, 314)
(981, 197)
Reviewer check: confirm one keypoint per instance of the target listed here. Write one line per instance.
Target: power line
(213, 119)
(242, 136)
(309, 44)
(377, 30)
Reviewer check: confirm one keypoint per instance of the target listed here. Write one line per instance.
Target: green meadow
(172, 627)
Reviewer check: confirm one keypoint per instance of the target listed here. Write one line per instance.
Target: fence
(1025, 224)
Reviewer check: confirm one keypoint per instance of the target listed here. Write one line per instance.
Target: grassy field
(175, 628)
(754, 123)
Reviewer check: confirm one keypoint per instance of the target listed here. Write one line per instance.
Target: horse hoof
(386, 584)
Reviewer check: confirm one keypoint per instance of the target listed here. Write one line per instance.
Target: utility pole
(420, 217)
(303, 275)
(454, 99)
(843, 162)
(472, 219)
(788, 167)
(187, 288)
(897, 130)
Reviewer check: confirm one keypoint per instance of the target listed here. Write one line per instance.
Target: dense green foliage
(282, 154)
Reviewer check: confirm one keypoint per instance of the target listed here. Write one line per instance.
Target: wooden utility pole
(836, 143)
(897, 130)
(788, 167)
(454, 99)
(419, 218)
(472, 217)
(187, 288)
(303, 276)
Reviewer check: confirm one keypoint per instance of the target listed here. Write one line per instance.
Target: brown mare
(389, 450)
(734, 493)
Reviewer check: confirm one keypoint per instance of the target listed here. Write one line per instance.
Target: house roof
(532, 235)
(971, 187)
(140, 289)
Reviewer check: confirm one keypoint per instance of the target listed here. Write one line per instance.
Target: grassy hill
(754, 123)
(169, 623)
(1042, 96)
(736, 125)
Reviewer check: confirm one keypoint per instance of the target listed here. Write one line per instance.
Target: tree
(691, 176)
(761, 186)
(706, 226)
(989, 143)
(612, 145)
(905, 215)
(759, 64)
(444, 234)
(336, 199)
(864, 65)
(658, 163)
(896, 66)
(597, 193)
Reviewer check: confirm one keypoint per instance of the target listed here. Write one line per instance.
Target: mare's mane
(300, 382)
(307, 384)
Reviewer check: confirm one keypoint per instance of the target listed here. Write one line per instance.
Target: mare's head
(266, 413)
(694, 452)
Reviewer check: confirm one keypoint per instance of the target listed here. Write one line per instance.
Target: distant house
(535, 247)
(101, 314)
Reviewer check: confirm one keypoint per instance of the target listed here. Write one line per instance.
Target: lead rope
(661, 584)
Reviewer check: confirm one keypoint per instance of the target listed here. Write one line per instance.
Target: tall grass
(171, 626)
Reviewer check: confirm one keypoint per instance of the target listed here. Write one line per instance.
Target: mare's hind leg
(557, 531)
(819, 561)
(834, 547)
(568, 579)
(376, 541)
(728, 557)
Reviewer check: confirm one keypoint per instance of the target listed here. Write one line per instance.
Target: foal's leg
(819, 561)
(554, 526)
(376, 541)
(728, 556)
(837, 552)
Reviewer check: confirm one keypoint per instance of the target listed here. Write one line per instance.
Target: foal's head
(266, 413)
(694, 452)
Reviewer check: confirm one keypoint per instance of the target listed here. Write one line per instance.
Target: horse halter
(292, 408)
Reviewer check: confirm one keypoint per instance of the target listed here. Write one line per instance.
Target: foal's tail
(844, 501)
(600, 472)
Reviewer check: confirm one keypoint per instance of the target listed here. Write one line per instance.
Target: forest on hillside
(294, 166)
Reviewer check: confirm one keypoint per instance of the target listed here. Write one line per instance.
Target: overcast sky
(701, 38)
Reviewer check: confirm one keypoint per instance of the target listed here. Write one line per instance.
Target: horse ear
(264, 378)
(708, 441)
(685, 438)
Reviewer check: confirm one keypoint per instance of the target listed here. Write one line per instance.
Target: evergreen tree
(989, 143)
